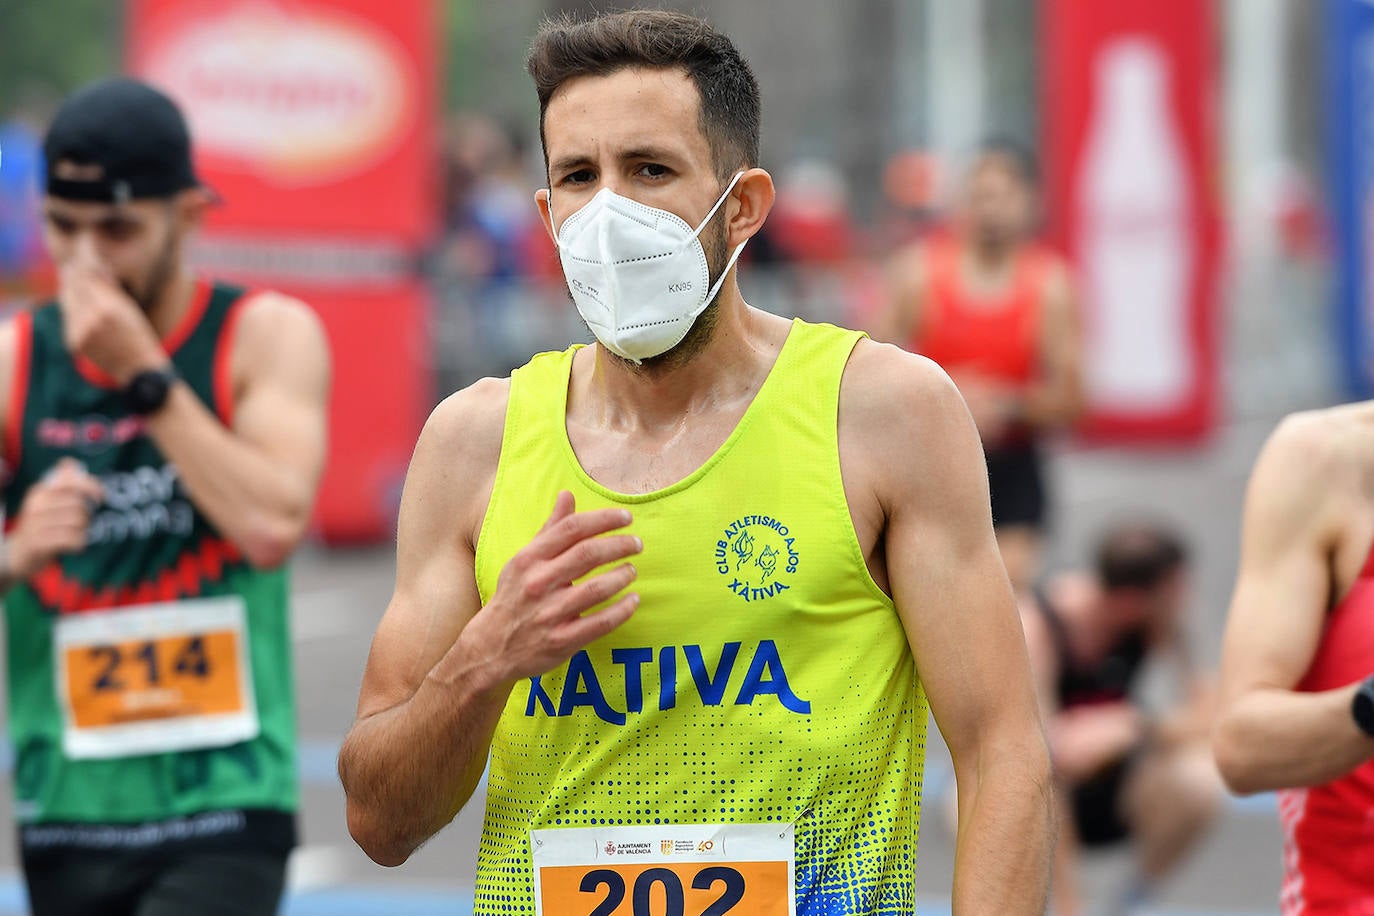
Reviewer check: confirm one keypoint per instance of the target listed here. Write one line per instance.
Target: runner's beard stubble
(158, 277)
(713, 243)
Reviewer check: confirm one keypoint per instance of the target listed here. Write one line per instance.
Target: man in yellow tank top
(693, 588)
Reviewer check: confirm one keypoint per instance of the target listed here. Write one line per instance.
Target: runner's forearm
(1080, 749)
(407, 771)
(8, 577)
(260, 505)
(1006, 834)
(1048, 405)
(16, 563)
(1271, 739)
(1068, 898)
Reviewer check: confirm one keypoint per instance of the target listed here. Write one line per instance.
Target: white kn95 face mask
(637, 274)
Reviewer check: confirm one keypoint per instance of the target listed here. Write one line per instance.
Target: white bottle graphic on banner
(1135, 246)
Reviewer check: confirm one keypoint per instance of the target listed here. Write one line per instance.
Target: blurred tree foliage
(487, 41)
(53, 46)
(464, 47)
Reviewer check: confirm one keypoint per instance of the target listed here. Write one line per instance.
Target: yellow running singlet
(765, 679)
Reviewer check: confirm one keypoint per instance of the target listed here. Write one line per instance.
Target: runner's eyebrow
(648, 151)
(118, 221)
(570, 163)
(639, 151)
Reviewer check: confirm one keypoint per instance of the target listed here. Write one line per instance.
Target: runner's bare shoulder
(1314, 467)
(471, 421)
(901, 424)
(1317, 444)
(456, 457)
(270, 321)
(887, 389)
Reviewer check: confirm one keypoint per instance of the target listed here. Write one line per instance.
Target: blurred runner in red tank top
(995, 309)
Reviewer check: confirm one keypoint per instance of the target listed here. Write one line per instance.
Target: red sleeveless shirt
(995, 335)
(1328, 830)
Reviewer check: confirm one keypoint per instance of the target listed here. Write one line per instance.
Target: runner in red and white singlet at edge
(1298, 662)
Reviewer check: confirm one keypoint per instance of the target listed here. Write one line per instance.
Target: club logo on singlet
(91, 435)
(756, 557)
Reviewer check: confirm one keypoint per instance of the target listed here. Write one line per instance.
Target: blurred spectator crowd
(499, 293)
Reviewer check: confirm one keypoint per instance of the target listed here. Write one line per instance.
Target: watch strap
(1362, 706)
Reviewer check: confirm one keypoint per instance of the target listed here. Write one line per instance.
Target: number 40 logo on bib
(679, 870)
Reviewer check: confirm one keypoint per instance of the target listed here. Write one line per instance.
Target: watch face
(1362, 708)
(147, 391)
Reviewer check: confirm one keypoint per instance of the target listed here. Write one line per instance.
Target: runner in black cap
(163, 437)
(118, 140)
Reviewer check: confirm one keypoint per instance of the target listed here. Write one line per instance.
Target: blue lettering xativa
(582, 688)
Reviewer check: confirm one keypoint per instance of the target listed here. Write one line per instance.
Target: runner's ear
(190, 206)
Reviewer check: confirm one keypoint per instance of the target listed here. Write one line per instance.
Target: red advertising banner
(316, 122)
(1131, 150)
(376, 409)
(307, 115)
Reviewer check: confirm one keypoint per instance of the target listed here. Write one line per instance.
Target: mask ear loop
(728, 188)
(734, 256)
(715, 288)
(557, 230)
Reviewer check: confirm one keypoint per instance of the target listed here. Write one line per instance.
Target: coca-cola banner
(316, 122)
(1130, 142)
(1350, 131)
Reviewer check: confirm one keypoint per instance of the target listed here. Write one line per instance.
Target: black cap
(115, 141)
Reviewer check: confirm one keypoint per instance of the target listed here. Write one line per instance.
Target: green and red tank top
(150, 674)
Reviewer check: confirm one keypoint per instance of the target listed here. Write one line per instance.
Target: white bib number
(679, 870)
(154, 678)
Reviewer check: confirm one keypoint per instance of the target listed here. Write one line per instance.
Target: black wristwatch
(147, 392)
(1362, 706)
